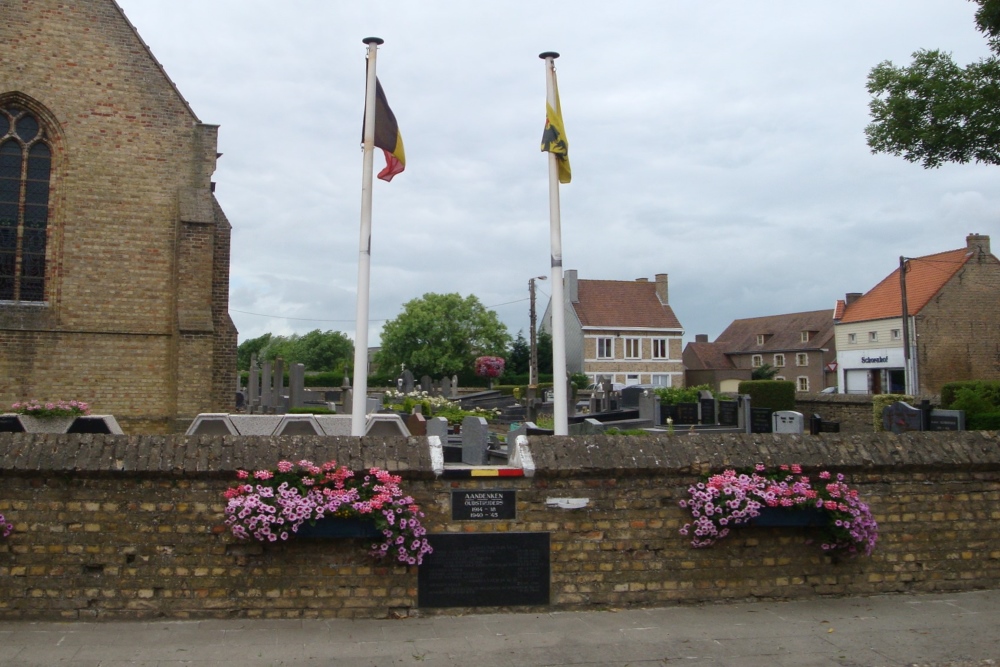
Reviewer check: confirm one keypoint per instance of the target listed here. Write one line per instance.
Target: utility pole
(533, 360)
(907, 372)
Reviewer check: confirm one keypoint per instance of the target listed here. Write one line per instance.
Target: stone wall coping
(551, 456)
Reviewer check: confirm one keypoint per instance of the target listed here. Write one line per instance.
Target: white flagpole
(360, 398)
(560, 398)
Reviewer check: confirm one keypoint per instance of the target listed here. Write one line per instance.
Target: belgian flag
(554, 136)
(387, 136)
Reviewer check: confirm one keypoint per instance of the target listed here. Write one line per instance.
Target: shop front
(875, 371)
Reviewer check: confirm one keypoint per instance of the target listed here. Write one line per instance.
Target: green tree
(935, 111)
(316, 350)
(250, 347)
(441, 334)
(544, 343)
(518, 356)
(763, 372)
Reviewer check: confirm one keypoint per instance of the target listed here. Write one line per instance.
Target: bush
(984, 421)
(988, 390)
(675, 395)
(311, 411)
(771, 394)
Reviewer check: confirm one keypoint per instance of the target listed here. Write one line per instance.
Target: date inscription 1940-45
(483, 505)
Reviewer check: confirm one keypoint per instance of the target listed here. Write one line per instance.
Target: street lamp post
(533, 361)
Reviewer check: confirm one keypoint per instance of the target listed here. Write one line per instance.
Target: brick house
(623, 331)
(800, 346)
(953, 322)
(114, 253)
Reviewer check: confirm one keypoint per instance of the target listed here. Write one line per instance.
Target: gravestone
(417, 424)
(408, 383)
(426, 384)
(630, 396)
(707, 403)
(901, 417)
(729, 413)
(437, 426)
(947, 420)
(649, 407)
(760, 420)
(787, 421)
(296, 386)
(445, 387)
(686, 413)
(475, 440)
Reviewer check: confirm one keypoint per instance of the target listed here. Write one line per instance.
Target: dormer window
(760, 339)
(804, 336)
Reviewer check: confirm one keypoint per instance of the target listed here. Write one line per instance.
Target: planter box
(787, 516)
(334, 527)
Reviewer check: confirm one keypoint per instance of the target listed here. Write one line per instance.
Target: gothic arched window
(25, 168)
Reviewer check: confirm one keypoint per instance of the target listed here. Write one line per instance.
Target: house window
(660, 379)
(802, 383)
(605, 348)
(25, 167)
(760, 339)
(801, 359)
(804, 337)
(852, 338)
(757, 361)
(895, 334)
(633, 348)
(631, 379)
(779, 360)
(872, 336)
(660, 348)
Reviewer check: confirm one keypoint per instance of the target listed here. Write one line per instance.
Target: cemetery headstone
(426, 384)
(408, 382)
(687, 413)
(901, 417)
(947, 420)
(707, 403)
(787, 421)
(446, 387)
(649, 407)
(417, 424)
(729, 413)
(475, 440)
(296, 385)
(760, 420)
(630, 396)
(437, 426)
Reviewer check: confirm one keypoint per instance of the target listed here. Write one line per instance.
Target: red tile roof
(782, 332)
(626, 304)
(925, 276)
(706, 356)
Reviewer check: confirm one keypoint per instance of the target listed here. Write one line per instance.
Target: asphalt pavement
(955, 629)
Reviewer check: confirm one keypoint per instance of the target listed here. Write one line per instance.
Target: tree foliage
(441, 334)
(935, 111)
(763, 372)
(317, 350)
(519, 355)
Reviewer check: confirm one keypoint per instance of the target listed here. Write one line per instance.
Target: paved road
(953, 629)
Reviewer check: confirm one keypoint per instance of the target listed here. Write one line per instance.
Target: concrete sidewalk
(943, 629)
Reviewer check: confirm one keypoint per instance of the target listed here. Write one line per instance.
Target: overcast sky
(719, 142)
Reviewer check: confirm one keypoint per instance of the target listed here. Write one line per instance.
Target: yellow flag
(554, 136)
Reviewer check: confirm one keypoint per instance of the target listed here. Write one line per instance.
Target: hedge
(988, 389)
(771, 394)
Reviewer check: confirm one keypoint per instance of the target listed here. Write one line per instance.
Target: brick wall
(131, 527)
(853, 411)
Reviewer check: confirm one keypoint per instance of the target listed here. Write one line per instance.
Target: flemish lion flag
(387, 136)
(554, 136)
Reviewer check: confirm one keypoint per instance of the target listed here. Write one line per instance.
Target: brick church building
(114, 253)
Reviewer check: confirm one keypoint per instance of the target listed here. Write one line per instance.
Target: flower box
(790, 516)
(334, 527)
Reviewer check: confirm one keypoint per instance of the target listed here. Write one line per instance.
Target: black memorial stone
(707, 410)
(687, 413)
(760, 420)
(485, 570)
(490, 505)
(901, 418)
(946, 420)
(729, 413)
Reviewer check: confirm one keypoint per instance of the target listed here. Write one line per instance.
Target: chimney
(572, 290)
(978, 242)
(701, 338)
(661, 288)
(851, 297)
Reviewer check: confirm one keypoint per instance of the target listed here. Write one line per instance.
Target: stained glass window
(25, 172)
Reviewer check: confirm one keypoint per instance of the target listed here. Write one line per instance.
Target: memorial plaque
(668, 412)
(707, 410)
(901, 418)
(947, 420)
(485, 570)
(687, 413)
(483, 505)
(729, 413)
(760, 420)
